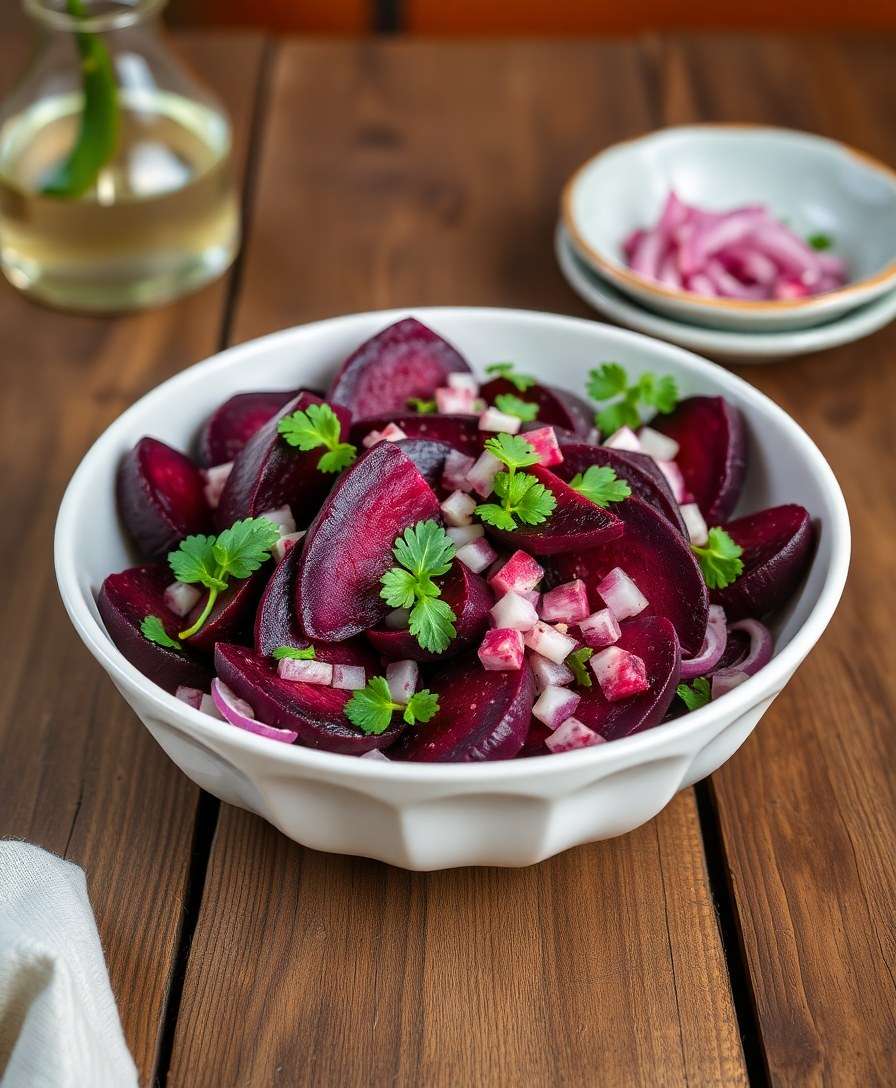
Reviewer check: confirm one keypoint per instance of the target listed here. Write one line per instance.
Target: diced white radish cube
(454, 401)
(657, 445)
(567, 603)
(544, 442)
(285, 545)
(181, 598)
(501, 649)
(549, 673)
(191, 696)
(349, 677)
(282, 518)
(392, 433)
(624, 439)
(215, 479)
(464, 383)
(371, 439)
(674, 479)
(305, 672)
(555, 705)
(725, 680)
(398, 619)
(376, 754)
(621, 595)
(533, 597)
(515, 612)
(477, 555)
(550, 643)
(454, 474)
(465, 534)
(207, 706)
(694, 522)
(494, 420)
(518, 575)
(620, 674)
(402, 676)
(481, 476)
(572, 734)
(458, 509)
(600, 629)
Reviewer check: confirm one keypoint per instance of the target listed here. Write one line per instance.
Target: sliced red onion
(548, 673)
(515, 612)
(458, 508)
(624, 439)
(544, 441)
(191, 696)
(477, 555)
(621, 595)
(555, 705)
(567, 603)
(181, 598)
(238, 712)
(519, 574)
(465, 534)
(208, 706)
(619, 673)
(501, 649)
(708, 238)
(791, 289)
(647, 254)
(726, 679)
(761, 645)
(729, 286)
(549, 642)
(669, 274)
(572, 734)
(701, 284)
(306, 672)
(600, 629)
(714, 643)
(402, 677)
(788, 251)
(349, 677)
(481, 476)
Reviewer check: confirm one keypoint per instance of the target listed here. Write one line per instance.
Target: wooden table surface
(745, 935)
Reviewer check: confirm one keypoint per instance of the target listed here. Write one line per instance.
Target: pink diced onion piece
(624, 439)
(454, 474)
(402, 677)
(549, 673)
(191, 696)
(514, 612)
(698, 531)
(619, 673)
(494, 420)
(305, 672)
(215, 479)
(464, 383)
(458, 509)
(674, 479)
(349, 677)
(621, 595)
(376, 754)
(550, 643)
(600, 629)
(282, 518)
(285, 544)
(181, 598)
(481, 476)
(572, 734)
(501, 649)
(454, 401)
(533, 597)
(567, 603)
(465, 534)
(207, 706)
(477, 555)
(555, 705)
(392, 433)
(544, 441)
(519, 574)
(656, 445)
(647, 254)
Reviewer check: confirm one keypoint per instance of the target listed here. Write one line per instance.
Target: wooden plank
(79, 775)
(808, 807)
(381, 184)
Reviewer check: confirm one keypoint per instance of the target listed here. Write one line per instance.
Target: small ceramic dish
(438, 815)
(814, 184)
(743, 347)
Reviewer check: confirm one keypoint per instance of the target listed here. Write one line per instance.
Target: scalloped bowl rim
(625, 751)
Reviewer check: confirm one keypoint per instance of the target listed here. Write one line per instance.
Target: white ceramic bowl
(742, 347)
(815, 184)
(431, 816)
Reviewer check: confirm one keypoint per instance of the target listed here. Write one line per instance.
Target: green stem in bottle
(203, 616)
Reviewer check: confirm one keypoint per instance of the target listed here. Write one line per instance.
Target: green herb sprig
(153, 629)
(294, 653)
(577, 661)
(695, 694)
(316, 427)
(610, 380)
(423, 407)
(371, 708)
(719, 559)
(523, 498)
(601, 485)
(820, 241)
(511, 405)
(509, 373)
(424, 551)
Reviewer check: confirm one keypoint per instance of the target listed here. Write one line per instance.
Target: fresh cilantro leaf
(506, 370)
(719, 559)
(315, 427)
(424, 407)
(512, 450)
(609, 380)
(529, 499)
(422, 707)
(399, 588)
(292, 653)
(621, 414)
(370, 709)
(194, 561)
(424, 551)
(695, 694)
(660, 393)
(512, 405)
(577, 661)
(495, 515)
(153, 629)
(820, 241)
(601, 485)
(431, 622)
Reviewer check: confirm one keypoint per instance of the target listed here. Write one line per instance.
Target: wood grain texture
(79, 774)
(808, 807)
(602, 966)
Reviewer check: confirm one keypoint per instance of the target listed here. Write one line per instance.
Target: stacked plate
(817, 186)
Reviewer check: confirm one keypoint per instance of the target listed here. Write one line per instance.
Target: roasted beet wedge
(778, 545)
(349, 544)
(652, 639)
(713, 452)
(470, 598)
(575, 525)
(405, 360)
(638, 470)
(460, 432)
(160, 497)
(314, 711)
(269, 473)
(231, 425)
(660, 563)
(124, 601)
(230, 620)
(482, 715)
(555, 406)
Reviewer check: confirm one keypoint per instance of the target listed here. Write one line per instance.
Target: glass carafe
(116, 188)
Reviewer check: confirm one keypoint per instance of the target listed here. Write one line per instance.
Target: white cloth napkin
(59, 1026)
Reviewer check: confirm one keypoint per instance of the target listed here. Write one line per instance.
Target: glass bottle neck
(92, 16)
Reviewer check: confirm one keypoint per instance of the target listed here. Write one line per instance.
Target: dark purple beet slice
(230, 620)
(637, 469)
(405, 360)
(429, 457)
(576, 523)
(778, 546)
(233, 423)
(713, 452)
(349, 544)
(124, 602)
(534, 744)
(482, 715)
(661, 564)
(314, 711)
(459, 431)
(269, 473)
(468, 595)
(653, 639)
(160, 497)
(555, 406)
